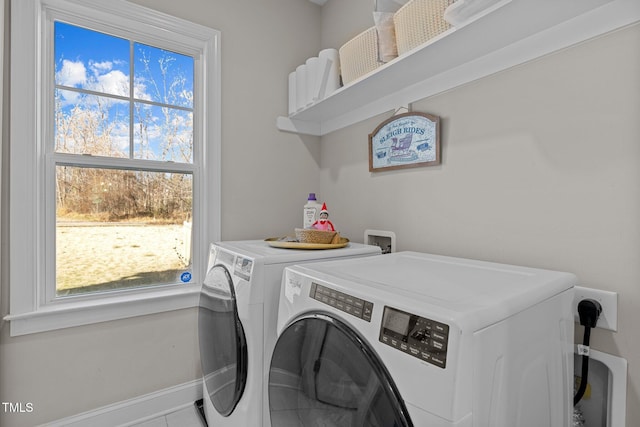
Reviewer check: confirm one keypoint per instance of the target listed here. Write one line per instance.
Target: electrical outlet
(608, 300)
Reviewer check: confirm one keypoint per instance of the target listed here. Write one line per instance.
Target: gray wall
(266, 176)
(74, 370)
(540, 167)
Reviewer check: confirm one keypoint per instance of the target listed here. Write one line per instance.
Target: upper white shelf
(519, 31)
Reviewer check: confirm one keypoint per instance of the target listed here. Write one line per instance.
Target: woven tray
(276, 242)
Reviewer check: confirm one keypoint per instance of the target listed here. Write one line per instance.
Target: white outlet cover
(608, 300)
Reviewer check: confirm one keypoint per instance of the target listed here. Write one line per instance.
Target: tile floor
(187, 417)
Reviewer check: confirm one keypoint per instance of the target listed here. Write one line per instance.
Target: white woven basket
(359, 55)
(419, 21)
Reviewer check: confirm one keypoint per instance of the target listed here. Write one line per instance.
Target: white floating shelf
(515, 32)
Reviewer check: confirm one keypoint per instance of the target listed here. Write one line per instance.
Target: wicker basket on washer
(359, 55)
(419, 21)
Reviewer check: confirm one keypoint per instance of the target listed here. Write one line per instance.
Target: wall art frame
(405, 141)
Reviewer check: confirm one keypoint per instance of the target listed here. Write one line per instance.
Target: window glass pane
(162, 76)
(119, 229)
(89, 124)
(81, 64)
(163, 133)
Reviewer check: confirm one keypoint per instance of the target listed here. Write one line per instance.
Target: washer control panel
(344, 302)
(417, 336)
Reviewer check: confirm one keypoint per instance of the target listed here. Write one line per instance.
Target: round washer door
(323, 373)
(223, 346)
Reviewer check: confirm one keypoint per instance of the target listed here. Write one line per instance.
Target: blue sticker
(185, 277)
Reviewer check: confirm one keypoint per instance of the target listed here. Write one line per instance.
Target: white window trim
(29, 312)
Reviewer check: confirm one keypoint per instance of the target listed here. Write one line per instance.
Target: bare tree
(92, 126)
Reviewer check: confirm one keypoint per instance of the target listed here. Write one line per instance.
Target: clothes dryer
(237, 324)
(410, 339)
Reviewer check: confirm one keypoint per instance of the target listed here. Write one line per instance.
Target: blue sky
(84, 57)
(90, 60)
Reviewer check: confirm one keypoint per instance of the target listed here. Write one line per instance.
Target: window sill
(79, 313)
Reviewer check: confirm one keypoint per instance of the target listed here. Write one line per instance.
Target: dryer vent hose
(578, 418)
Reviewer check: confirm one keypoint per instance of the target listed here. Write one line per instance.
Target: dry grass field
(94, 257)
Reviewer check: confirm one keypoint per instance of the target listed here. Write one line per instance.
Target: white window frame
(32, 216)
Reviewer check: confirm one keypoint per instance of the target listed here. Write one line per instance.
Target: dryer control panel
(344, 302)
(417, 336)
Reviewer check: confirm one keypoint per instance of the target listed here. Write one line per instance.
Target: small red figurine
(323, 223)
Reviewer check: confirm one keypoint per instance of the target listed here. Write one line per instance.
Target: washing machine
(237, 324)
(412, 339)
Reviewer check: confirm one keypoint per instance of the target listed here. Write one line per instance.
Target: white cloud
(73, 73)
(114, 82)
(100, 67)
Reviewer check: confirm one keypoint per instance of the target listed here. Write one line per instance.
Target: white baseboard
(136, 410)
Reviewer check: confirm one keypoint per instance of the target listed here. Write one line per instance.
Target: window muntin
(117, 98)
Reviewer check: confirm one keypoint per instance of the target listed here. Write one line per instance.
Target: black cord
(585, 368)
(588, 311)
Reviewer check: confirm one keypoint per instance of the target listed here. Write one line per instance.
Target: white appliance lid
(455, 287)
(270, 255)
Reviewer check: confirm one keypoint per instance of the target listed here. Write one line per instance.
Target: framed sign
(404, 141)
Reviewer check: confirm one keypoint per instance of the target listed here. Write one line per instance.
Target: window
(118, 228)
(114, 162)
